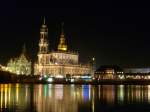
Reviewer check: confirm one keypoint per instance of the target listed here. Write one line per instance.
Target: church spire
(62, 28)
(44, 20)
(44, 23)
(23, 54)
(62, 46)
(24, 49)
(43, 44)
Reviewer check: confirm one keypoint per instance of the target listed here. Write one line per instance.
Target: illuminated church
(58, 63)
(20, 65)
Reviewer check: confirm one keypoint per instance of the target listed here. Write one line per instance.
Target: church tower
(43, 43)
(62, 46)
(23, 54)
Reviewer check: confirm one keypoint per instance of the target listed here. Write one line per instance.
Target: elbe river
(74, 98)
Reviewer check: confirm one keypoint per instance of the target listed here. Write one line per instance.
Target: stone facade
(60, 62)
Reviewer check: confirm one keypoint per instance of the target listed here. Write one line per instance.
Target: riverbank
(6, 77)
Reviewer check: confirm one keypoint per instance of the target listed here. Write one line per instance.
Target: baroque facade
(60, 62)
(20, 65)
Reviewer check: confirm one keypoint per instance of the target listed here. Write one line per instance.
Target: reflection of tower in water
(58, 99)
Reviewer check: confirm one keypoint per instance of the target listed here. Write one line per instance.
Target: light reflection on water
(70, 98)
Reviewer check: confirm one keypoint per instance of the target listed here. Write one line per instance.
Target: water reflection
(14, 97)
(70, 98)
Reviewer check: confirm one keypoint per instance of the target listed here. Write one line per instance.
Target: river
(74, 98)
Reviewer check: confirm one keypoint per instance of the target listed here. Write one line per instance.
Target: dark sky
(114, 32)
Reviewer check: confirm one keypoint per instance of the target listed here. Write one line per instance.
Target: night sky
(114, 32)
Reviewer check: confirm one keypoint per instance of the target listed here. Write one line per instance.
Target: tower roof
(44, 20)
(62, 46)
(44, 23)
(44, 27)
(43, 43)
(62, 28)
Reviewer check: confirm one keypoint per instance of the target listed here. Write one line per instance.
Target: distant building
(58, 63)
(137, 73)
(20, 65)
(109, 72)
(136, 70)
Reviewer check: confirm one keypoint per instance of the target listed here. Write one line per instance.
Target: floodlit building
(20, 65)
(137, 73)
(137, 70)
(58, 63)
(109, 72)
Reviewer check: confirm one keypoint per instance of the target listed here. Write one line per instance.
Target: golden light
(93, 59)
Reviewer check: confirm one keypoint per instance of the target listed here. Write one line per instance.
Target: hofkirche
(60, 62)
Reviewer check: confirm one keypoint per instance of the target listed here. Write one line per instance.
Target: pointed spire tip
(44, 20)
(62, 28)
(24, 49)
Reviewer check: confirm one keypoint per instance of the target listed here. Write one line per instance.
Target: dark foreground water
(74, 98)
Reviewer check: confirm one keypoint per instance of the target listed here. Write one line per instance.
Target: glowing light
(59, 92)
(1, 97)
(77, 77)
(45, 76)
(148, 93)
(17, 92)
(5, 89)
(50, 79)
(40, 78)
(56, 63)
(17, 72)
(93, 59)
(121, 93)
(72, 80)
(59, 76)
(121, 76)
(86, 92)
(63, 49)
(86, 77)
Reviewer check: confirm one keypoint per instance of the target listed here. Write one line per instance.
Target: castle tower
(43, 43)
(62, 46)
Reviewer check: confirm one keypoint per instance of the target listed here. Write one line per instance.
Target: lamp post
(93, 66)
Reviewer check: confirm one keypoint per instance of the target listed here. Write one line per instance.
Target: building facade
(20, 65)
(58, 63)
(109, 72)
(137, 73)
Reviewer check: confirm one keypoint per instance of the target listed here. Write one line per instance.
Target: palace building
(60, 62)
